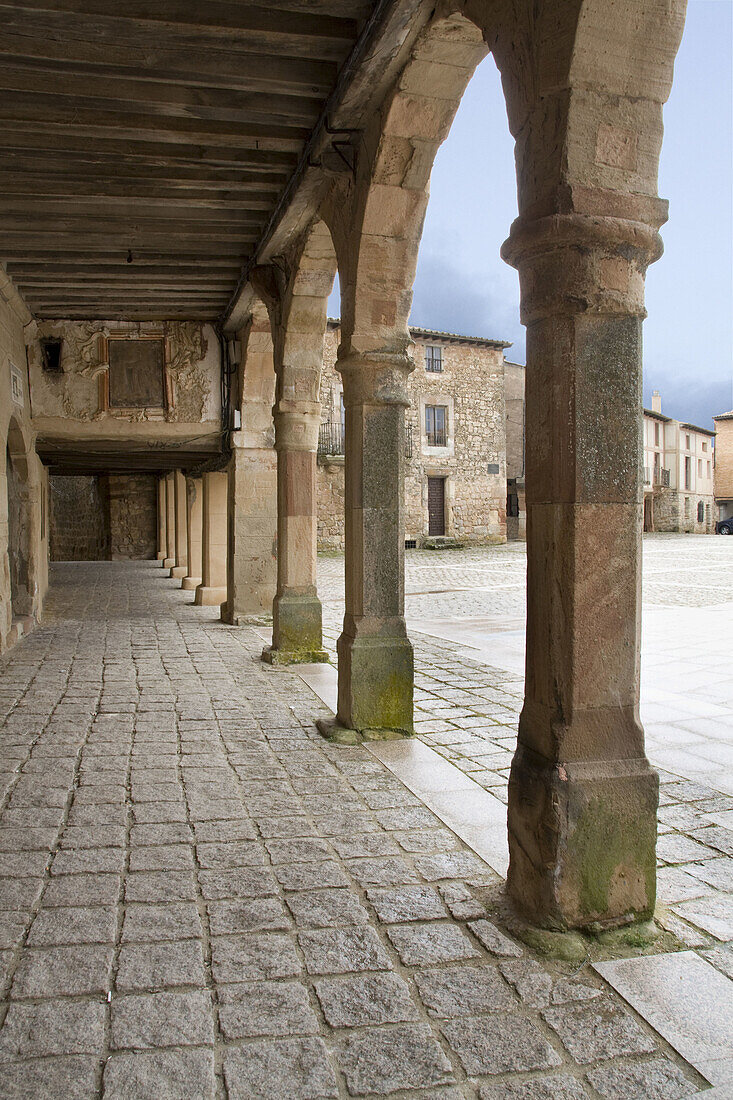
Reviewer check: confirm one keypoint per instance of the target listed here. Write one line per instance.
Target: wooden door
(436, 505)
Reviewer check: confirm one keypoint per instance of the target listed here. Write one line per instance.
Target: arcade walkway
(202, 898)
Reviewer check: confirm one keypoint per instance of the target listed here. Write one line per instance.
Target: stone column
(252, 506)
(194, 515)
(252, 524)
(162, 539)
(582, 796)
(296, 609)
(170, 522)
(375, 663)
(213, 587)
(180, 566)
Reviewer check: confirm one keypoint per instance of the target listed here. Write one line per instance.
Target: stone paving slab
(275, 916)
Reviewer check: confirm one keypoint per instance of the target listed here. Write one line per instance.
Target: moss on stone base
(272, 656)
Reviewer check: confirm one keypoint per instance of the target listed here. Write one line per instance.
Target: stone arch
(376, 218)
(21, 565)
(295, 287)
(584, 84)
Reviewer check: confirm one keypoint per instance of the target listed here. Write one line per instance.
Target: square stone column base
(297, 636)
(160, 556)
(210, 597)
(188, 584)
(179, 571)
(332, 730)
(272, 656)
(582, 840)
(376, 677)
(168, 563)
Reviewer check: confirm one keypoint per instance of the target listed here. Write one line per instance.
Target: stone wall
(23, 481)
(133, 519)
(473, 461)
(724, 458)
(330, 490)
(102, 518)
(674, 511)
(79, 519)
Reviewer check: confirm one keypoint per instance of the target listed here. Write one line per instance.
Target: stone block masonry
(103, 518)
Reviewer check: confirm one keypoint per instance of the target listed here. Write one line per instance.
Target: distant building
(455, 446)
(678, 474)
(723, 485)
(516, 509)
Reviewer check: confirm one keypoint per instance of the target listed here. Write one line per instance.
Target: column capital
(575, 263)
(376, 377)
(296, 425)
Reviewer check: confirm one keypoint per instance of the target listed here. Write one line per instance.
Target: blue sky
(463, 286)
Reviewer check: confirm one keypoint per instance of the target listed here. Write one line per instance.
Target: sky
(462, 285)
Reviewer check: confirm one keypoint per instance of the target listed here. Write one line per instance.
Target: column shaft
(375, 685)
(180, 566)
(582, 797)
(296, 610)
(170, 522)
(162, 542)
(213, 587)
(194, 516)
(252, 526)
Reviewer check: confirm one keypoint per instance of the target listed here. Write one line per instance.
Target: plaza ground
(202, 898)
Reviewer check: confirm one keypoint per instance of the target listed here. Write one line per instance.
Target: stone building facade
(723, 478)
(516, 508)
(678, 474)
(455, 441)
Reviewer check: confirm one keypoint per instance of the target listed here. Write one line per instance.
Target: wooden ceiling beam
(103, 94)
(108, 32)
(119, 210)
(127, 193)
(93, 165)
(148, 152)
(226, 20)
(154, 61)
(45, 114)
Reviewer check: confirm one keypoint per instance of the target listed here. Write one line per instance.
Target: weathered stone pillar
(582, 796)
(180, 566)
(162, 540)
(194, 516)
(375, 684)
(213, 587)
(296, 609)
(252, 509)
(170, 522)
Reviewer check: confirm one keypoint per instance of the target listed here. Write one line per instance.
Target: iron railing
(331, 439)
(436, 438)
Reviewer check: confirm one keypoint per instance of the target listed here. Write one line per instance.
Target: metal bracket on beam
(341, 145)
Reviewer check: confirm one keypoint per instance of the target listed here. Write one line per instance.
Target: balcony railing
(661, 477)
(331, 439)
(436, 438)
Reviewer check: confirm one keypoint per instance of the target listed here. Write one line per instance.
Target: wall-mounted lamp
(236, 420)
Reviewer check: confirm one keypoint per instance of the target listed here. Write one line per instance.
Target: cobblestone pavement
(465, 613)
(201, 898)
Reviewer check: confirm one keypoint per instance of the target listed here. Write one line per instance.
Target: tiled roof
(436, 334)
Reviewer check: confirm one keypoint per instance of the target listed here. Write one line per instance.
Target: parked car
(724, 526)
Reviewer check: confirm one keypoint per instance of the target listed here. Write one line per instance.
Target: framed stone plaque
(136, 373)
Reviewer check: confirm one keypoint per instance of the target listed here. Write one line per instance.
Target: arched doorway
(19, 526)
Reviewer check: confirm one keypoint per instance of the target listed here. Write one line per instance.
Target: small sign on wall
(16, 385)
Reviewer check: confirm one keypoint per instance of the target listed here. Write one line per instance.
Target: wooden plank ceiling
(144, 143)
